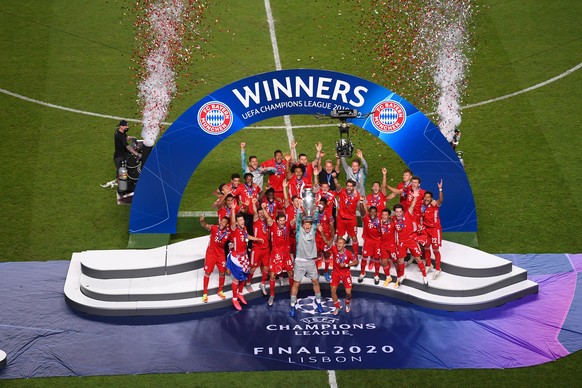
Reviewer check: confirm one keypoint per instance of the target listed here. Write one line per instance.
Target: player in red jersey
(342, 261)
(278, 169)
(291, 209)
(260, 252)
(280, 256)
(371, 235)
(415, 183)
(403, 187)
(215, 254)
(308, 167)
(328, 229)
(387, 244)
(346, 221)
(274, 205)
(325, 192)
(227, 208)
(296, 182)
(234, 187)
(432, 227)
(377, 197)
(237, 261)
(406, 228)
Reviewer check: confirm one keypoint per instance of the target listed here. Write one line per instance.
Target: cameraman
(122, 147)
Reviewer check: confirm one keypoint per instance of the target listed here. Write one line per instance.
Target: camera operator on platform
(122, 147)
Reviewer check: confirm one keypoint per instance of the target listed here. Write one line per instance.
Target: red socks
(400, 269)
(220, 283)
(272, 287)
(437, 260)
(206, 280)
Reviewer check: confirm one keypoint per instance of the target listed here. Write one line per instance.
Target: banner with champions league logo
(383, 113)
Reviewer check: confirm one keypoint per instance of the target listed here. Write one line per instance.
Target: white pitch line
(331, 379)
(83, 112)
(271, 21)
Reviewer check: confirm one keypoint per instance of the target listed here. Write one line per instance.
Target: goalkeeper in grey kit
(305, 258)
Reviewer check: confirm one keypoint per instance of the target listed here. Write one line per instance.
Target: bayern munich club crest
(388, 116)
(215, 118)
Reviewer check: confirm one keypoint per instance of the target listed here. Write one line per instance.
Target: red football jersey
(239, 238)
(372, 229)
(430, 216)
(226, 211)
(276, 179)
(405, 227)
(296, 186)
(261, 230)
(330, 196)
(341, 258)
(218, 239)
(273, 207)
(280, 237)
(417, 206)
(247, 194)
(406, 187)
(388, 233)
(377, 200)
(348, 204)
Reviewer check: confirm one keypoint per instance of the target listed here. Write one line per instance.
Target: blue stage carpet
(43, 337)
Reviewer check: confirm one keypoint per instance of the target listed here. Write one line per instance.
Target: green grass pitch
(522, 153)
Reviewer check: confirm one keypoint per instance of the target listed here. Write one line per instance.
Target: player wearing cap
(122, 147)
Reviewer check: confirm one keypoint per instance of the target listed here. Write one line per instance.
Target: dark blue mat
(44, 337)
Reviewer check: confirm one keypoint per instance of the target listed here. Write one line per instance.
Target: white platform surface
(143, 295)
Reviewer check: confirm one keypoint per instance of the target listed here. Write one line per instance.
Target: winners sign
(224, 112)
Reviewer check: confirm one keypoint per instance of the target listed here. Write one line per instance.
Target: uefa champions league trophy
(309, 207)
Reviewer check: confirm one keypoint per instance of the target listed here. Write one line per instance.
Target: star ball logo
(308, 306)
(215, 118)
(388, 116)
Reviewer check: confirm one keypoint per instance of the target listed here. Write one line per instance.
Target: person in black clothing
(122, 147)
(325, 175)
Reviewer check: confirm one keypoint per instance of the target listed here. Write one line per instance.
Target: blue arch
(233, 107)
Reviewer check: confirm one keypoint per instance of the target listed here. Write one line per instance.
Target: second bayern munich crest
(215, 118)
(388, 116)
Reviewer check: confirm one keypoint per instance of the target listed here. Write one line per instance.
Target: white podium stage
(169, 280)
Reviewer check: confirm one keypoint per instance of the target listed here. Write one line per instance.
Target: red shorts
(435, 237)
(421, 238)
(337, 276)
(349, 227)
(260, 258)
(371, 249)
(388, 252)
(280, 261)
(212, 260)
(410, 245)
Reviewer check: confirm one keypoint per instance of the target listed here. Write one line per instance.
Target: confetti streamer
(165, 31)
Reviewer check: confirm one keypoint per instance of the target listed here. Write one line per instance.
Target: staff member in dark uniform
(122, 147)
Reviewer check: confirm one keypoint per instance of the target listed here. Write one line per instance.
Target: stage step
(169, 280)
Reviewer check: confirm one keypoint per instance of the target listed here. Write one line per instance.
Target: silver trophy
(309, 207)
